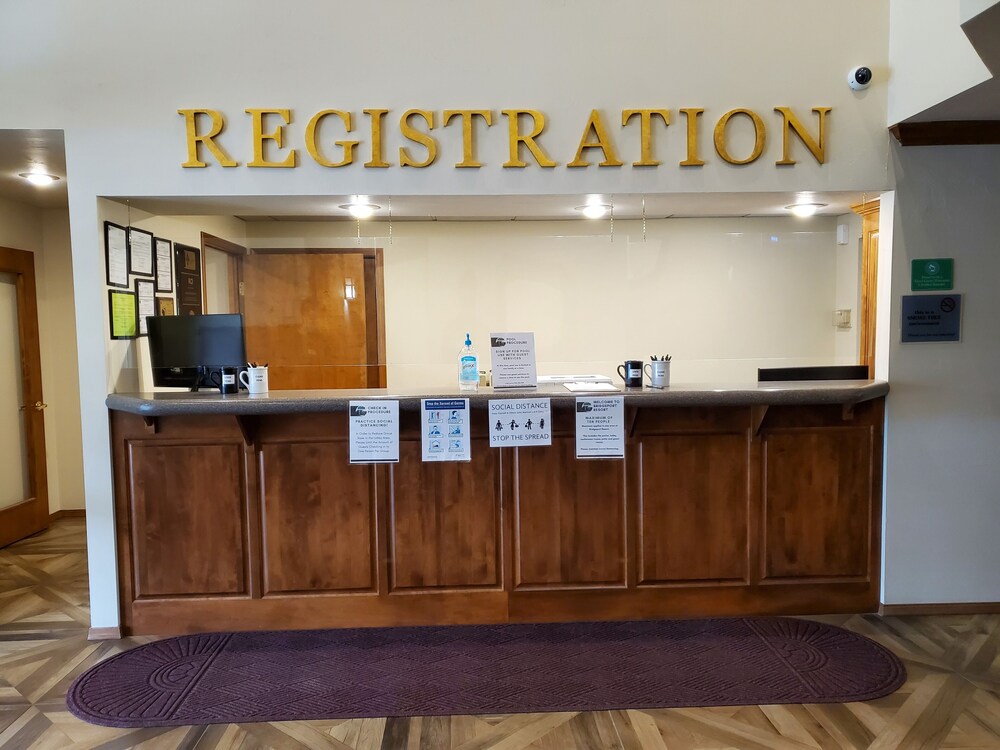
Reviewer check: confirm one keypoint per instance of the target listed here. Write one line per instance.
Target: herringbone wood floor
(951, 699)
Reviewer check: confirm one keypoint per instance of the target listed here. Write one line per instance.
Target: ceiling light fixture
(360, 208)
(805, 210)
(41, 179)
(594, 210)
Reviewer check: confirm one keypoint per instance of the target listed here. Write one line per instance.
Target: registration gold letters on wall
(272, 137)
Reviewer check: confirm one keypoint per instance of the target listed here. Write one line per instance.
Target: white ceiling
(20, 150)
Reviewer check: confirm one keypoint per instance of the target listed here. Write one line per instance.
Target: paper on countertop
(589, 387)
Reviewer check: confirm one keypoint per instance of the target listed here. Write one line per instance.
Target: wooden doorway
(24, 499)
(869, 213)
(316, 316)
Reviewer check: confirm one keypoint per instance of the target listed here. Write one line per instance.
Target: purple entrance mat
(482, 669)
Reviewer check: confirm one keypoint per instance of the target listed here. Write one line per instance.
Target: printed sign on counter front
(600, 427)
(512, 357)
(374, 427)
(519, 422)
(445, 426)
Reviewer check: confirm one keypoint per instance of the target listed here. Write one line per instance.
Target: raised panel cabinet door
(693, 510)
(189, 519)
(444, 520)
(817, 503)
(569, 518)
(318, 519)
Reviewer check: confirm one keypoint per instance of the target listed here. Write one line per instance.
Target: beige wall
(45, 233)
(722, 296)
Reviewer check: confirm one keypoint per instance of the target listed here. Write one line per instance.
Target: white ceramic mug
(658, 372)
(255, 379)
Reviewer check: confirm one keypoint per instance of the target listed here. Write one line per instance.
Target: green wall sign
(932, 274)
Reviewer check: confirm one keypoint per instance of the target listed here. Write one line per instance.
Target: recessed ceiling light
(804, 210)
(41, 179)
(361, 209)
(594, 210)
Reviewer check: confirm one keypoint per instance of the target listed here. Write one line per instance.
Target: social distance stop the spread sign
(520, 422)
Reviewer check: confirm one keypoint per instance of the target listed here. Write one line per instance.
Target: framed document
(164, 305)
(164, 256)
(116, 254)
(140, 252)
(122, 315)
(145, 294)
(187, 264)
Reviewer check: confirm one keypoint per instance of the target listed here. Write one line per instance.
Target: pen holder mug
(631, 373)
(658, 372)
(255, 379)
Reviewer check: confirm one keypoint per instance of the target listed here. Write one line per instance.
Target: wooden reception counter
(238, 512)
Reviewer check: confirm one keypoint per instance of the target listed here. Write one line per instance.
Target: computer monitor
(184, 350)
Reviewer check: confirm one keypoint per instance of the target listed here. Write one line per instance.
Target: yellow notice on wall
(123, 314)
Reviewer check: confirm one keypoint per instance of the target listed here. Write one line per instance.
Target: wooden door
(24, 500)
(313, 317)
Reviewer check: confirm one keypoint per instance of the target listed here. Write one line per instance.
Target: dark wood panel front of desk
(261, 522)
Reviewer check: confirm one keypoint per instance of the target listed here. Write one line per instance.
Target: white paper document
(444, 423)
(374, 428)
(589, 387)
(600, 427)
(520, 422)
(140, 251)
(512, 357)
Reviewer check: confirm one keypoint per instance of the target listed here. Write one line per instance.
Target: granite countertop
(684, 394)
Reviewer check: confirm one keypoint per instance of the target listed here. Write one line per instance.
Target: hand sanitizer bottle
(468, 367)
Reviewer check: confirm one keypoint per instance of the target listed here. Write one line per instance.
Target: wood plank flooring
(951, 699)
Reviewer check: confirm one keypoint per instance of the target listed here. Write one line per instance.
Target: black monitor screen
(185, 349)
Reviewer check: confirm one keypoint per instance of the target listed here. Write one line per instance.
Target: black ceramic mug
(631, 373)
(225, 380)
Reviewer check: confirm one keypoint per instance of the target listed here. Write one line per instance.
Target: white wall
(848, 294)
(722, 296)
(60, 376)
(942, 500)
(931, 57)
(45, 233)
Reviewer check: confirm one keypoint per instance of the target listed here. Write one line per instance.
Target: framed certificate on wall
(164, 255)
(140, 252)
(116, 254)
(122, 314)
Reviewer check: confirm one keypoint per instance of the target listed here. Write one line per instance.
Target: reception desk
(237, 513)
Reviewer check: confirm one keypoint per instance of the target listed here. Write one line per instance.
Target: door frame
(32, 515)
(869, 213)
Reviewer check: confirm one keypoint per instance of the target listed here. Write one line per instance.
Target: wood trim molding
(957, 608)
(68, 513)
(366, 252)
(869, 213)
(223, 246)
(104, 634)
(947, 133)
